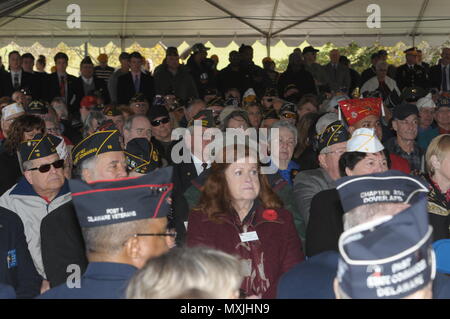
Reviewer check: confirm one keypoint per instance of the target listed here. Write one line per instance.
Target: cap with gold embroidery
(364, 140)
(37, 107)
(97, 143)
(355, 110)
(111, 111)
(207, 118)
(38, 147)
(334, 133)
(142, 157)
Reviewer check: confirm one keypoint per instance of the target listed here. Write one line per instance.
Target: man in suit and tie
(88, 84)
(40, 78)
(135, 81)
(190, 168)
(439, 74)
(338, 76)
(16, 79)
(61, 84)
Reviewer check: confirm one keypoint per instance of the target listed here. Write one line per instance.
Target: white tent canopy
(222, 21)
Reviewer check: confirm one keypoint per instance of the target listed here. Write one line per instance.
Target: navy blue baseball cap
(102, 141)
(123, 200)
(388, 258)
(387, 187)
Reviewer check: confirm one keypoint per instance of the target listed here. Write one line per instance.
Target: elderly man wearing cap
(367, 113)
(100, 157)
(426, 108)
(171, 76)
(332, 141)
(316, 70)
(42, 200)
(123, 224)
(442, 118)
(392, 199)
(88, 82)
(185, 171)
(410, 74)
(364, 155)
(135, 81)
(103, 71)
(124, 59)
(405, 121)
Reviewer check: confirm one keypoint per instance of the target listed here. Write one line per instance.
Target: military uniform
(106, 203)
(411, 75)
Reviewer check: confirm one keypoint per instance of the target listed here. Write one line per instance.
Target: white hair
(214, 272)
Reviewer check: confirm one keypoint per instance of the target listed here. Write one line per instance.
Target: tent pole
(86, 49)
(268, 45)
(122, 44)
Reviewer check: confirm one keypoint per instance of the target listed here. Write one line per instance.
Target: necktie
(136, 84)
(444, 78)
(16, 84)
(205, 166)
(62, 87)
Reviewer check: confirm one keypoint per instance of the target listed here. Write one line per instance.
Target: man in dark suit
(338, 76)
(410, 74)
(61, 84)
(88, 84)
(191, 167)
(438, 78)
(40, 78)
(135, 81)
(425, 65)
(17, 79)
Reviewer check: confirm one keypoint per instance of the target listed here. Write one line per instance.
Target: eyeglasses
(46, 167)
(140, 131)
(269, 99)
(159, 122)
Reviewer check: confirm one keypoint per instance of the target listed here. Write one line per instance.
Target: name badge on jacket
(249, 236)
(11, 259)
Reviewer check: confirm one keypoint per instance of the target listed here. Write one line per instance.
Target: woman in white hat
(365, 155)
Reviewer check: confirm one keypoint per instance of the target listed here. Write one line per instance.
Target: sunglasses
(159, 122)
(46, 167)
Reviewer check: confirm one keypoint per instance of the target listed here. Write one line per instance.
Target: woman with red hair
(240, 214)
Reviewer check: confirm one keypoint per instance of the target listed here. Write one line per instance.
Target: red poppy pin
(270, 214)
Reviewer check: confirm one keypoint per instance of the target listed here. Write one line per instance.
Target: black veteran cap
(138, 97)
(334, 133)
(142, 157)
(206, 117)
(443, 101)
(389, 258)
(402, 111)
(387, 187)
(217, 101)
(122, 200)
(37, 107)
(157, 111)
(40, 146)
(95, 144)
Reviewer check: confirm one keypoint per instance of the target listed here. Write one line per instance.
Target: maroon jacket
(279, 240)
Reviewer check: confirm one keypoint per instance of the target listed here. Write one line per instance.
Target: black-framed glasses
(46, 167)
(161, 121)
(171, 234)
